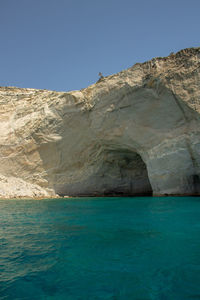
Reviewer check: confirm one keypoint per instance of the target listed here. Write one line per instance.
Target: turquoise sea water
(100, 248)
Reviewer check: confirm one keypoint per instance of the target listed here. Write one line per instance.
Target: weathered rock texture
(132, 133)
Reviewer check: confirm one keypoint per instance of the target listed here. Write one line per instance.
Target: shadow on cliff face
(119, 173)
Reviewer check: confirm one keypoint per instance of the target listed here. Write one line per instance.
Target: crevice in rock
(196, 184)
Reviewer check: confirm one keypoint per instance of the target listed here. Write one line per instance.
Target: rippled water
(102, 248)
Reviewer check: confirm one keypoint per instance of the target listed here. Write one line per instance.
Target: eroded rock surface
(135, 132)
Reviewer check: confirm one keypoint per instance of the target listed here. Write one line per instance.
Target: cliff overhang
(133, 133)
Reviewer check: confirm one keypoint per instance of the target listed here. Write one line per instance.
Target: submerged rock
(135, 132)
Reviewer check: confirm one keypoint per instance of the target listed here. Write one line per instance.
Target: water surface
(100, 248)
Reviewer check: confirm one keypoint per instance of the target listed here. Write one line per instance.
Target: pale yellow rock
(130, 133)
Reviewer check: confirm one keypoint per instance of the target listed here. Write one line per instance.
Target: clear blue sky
(63, 44)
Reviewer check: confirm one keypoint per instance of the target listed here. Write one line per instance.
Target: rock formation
(135, 132)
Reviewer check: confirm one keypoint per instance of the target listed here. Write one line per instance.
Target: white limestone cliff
(134, 132)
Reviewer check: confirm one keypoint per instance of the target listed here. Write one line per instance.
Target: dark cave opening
(124, 173)
(115, 172)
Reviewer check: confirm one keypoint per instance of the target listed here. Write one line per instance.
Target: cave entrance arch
(123, 173)
(115, 172)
